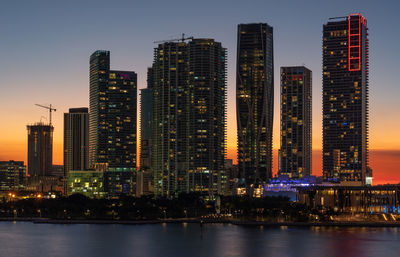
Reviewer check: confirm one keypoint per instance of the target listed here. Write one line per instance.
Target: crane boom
(50, 108)
(182, 39)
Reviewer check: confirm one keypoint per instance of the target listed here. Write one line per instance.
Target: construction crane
(50, 108)
(182, 39)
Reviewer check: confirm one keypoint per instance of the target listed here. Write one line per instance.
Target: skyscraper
(112, 123)
(189, 117)
(146, 121)
(170, 119)
(40, 149)
(76, 139)
(145, 175)
(296, 122)
(345, 99)
(207, 116)
(254, 102)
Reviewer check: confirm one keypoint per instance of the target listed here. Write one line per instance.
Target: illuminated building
(254, 102)
(12, 175)
(112, 121)
(283, 185)
(296, 125)
(352, 199)
(189, 117)
(76, 139)
(345, 100)
(87, 182)
(40, 149)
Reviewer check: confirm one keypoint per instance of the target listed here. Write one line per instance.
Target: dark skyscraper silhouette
(112, 122)
(146, 121)
(345, 99)
(189, 117)
(40, 149)
(144, 180)
(76, 139)
(296, 124)
(254, 102)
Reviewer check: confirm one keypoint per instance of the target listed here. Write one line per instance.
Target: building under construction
(40, 149)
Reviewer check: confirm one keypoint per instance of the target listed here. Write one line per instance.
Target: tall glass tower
(76, 140)
(189, 117)
(296, 122)
(112, 122)
(345, 100)
(254, 102)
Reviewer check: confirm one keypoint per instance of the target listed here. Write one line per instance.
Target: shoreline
(204, 221)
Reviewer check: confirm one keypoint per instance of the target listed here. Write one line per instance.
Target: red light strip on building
(354, 63)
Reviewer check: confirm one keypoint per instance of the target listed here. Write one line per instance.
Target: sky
(45, 48)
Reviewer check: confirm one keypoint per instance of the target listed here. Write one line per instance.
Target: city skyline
(382, 137)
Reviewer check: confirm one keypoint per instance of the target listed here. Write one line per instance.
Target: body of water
(190, 240)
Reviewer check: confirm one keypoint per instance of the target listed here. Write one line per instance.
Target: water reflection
(192, 240)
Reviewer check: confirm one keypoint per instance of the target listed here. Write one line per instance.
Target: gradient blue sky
(45, 48)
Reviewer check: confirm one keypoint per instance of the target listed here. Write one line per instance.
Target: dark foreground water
(190, 240)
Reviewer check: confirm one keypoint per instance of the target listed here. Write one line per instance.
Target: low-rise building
(352, 199)
(87, 182)
(12, 175)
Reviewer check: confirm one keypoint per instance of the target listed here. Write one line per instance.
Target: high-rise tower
(76, 140)
(189, 117)
(40, 149)
(112, 122)
(345, 99)
(145, 175)
(254, 102)
(146, 121)
(296, 124)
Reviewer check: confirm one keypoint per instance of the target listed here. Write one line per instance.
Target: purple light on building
(125, 76)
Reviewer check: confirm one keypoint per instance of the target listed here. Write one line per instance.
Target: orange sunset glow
(385, 161)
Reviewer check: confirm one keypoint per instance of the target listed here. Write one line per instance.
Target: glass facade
(345, 100)
(76, 139)
(296, 122)
(254, 102)
(112, 118)
(12, 175)
(189, 117)
(88, 183)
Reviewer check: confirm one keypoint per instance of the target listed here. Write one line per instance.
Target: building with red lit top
(345, 100)
(296, 104)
